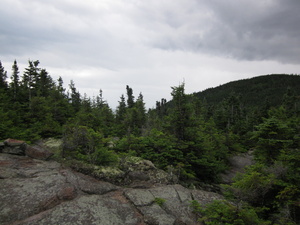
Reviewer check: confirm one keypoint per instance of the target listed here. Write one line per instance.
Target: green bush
(222, 212)
(83, 143)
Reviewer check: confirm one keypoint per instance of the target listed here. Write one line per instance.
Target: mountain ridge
(260, 89)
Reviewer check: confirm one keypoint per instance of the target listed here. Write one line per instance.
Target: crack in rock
(58, 195)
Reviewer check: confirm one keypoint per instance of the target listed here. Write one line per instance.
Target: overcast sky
(151, 45)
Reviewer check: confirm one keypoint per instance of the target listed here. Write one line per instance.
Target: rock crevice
(35, 191)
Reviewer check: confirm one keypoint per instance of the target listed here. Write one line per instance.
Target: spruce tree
(179, 115)
(60, 86)
(3, 77)
(130, 97)
(75, 97)
(121, 110)
(44, 84)
(120, 117)
(30, 78)
(141, 111)
(99, 100)
(15, 80)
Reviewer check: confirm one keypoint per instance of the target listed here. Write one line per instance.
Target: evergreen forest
(195, 134)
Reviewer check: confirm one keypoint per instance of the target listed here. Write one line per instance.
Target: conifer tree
(60, 86)
(120, 116)
(3, 77)
(130, 97)
(30, 78)
(121, 110)
(141, 111)
(75, 97)
(179, 114)
(290, 102)
(44, 84)
(99, 100)
(15, 80)
(61, 108)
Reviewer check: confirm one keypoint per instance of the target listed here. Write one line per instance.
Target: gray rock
(45, 192)
(17, 150)
(89, 209)
(138, 175)
(205, 197)
(237, 165)
(14, 147)
(154, 214)
(88, 184)
(175, 207)
(140, 197)
(13, 142)
(37, 152)
(177, 202)
(24, 197)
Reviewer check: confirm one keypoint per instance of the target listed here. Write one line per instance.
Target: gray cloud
(266, 30)
(245, 30)
(152, 44)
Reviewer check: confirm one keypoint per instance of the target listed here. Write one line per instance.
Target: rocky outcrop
(34, 191)
(237, 165)
(38, 152)
(130, 171)
(17, 147)
(12, 146)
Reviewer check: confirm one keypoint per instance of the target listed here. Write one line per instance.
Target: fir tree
(179, 113)
(15, 80)
(3, 77)
(130, 97)
(75, 97)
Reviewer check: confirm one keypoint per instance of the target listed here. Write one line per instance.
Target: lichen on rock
(35, 191)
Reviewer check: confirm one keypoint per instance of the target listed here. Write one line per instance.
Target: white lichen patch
(53, 144)
(108, 172)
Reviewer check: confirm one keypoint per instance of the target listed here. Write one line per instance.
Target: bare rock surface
(38, 152)
(34, 191)
(12, 146)
(237, 165)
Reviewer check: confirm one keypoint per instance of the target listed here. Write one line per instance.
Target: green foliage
(273, 135)
(223, 212)
(156, 146)
(75, 97)
(194, 134)
(207, 152)
(180, 112)
(254, 185)
(5, 124)
(273, 183)
(130, 97)
(254, 92)
(269, 190)
(160, 201)
(85, 144)
(197, 208)
(3, 77)
(14, 84)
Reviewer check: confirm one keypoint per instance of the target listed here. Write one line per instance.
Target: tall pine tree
(15, 80)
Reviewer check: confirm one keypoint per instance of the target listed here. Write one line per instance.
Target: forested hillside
(254, 92)
(192, 135)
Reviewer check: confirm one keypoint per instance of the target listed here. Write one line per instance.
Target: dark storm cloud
(246, 30)
(264, 30)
